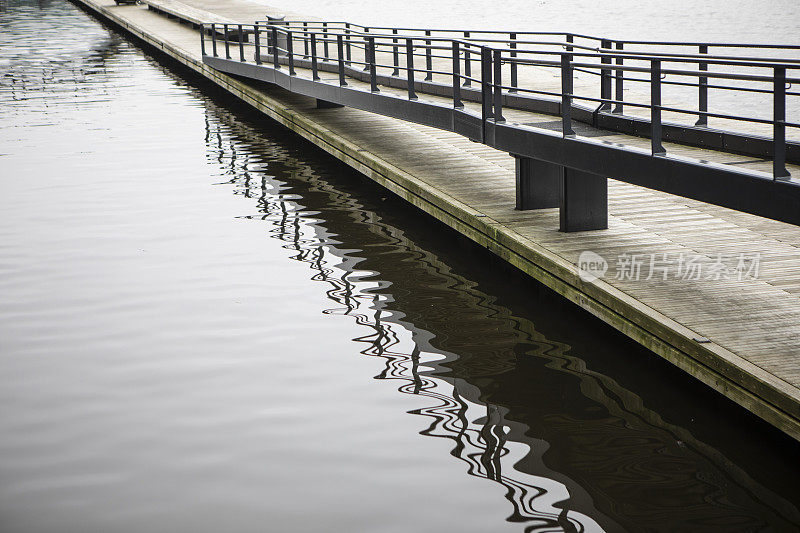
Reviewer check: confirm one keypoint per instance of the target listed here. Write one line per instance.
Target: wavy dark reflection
(74, 56)
(574, 449)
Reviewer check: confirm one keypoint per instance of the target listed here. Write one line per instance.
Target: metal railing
(511, 41)
(484, 67)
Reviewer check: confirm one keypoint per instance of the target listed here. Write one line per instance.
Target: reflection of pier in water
(474, 370)
(70, 64)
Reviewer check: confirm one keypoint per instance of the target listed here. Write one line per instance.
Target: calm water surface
(208, 325)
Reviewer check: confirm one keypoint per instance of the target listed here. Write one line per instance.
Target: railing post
(325, 49)
(412, 95)
(214, 39)
(241, 44)
(513, 46)
(428, 58)
(467, 63)
(395, 55)
(373, 70)
(498, 87)
(566, 95)
(347, 43)
(227, 42)
(655, 108)
(486, 83)
(570, 39)
(275, 61)
(702, 86)
(779, 171)
(605, 76)
(314, 66)
(619, 79)
(203, 39)
(290, 52)
(305, 40)
(340, 56)
(457, 103)
(257, 43)
(268, 33)
(366, 51)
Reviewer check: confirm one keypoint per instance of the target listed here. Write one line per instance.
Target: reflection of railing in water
(480, 443)
(60, 73)
(482, 434)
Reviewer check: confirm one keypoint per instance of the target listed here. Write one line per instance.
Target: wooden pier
(739, 335)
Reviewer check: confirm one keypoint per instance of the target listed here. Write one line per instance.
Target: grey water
(206, 324)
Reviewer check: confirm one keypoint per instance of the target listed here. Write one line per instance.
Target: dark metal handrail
(494, 94)
(351, 25)
(514, 44)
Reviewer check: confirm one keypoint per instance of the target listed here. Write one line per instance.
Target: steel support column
(584, 201)
(324, 104)
(538, 183)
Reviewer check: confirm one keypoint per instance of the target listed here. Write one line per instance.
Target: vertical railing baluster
(702, 86)
(203, 39)
(467, 63)
(395, 55)
(347, 43)
(241, 44)
(340, 58)
(290, 52)
(325, 49)
(412, 94)
(619, 80)
(566, 90)
(257, 43)
(269, 42)
(373, 69)
(779, 125)
(513, 46)
(275, 61)
(605, 75)
(486, 83)
(428, 58)
(314, 65)
(366, 59)
(566, 94)
(227, 42)
(214, 39)
(457, 103)
(498, 87)
(305, 40)
(655, 108)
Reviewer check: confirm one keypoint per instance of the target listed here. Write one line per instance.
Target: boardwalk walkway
(736, 330)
